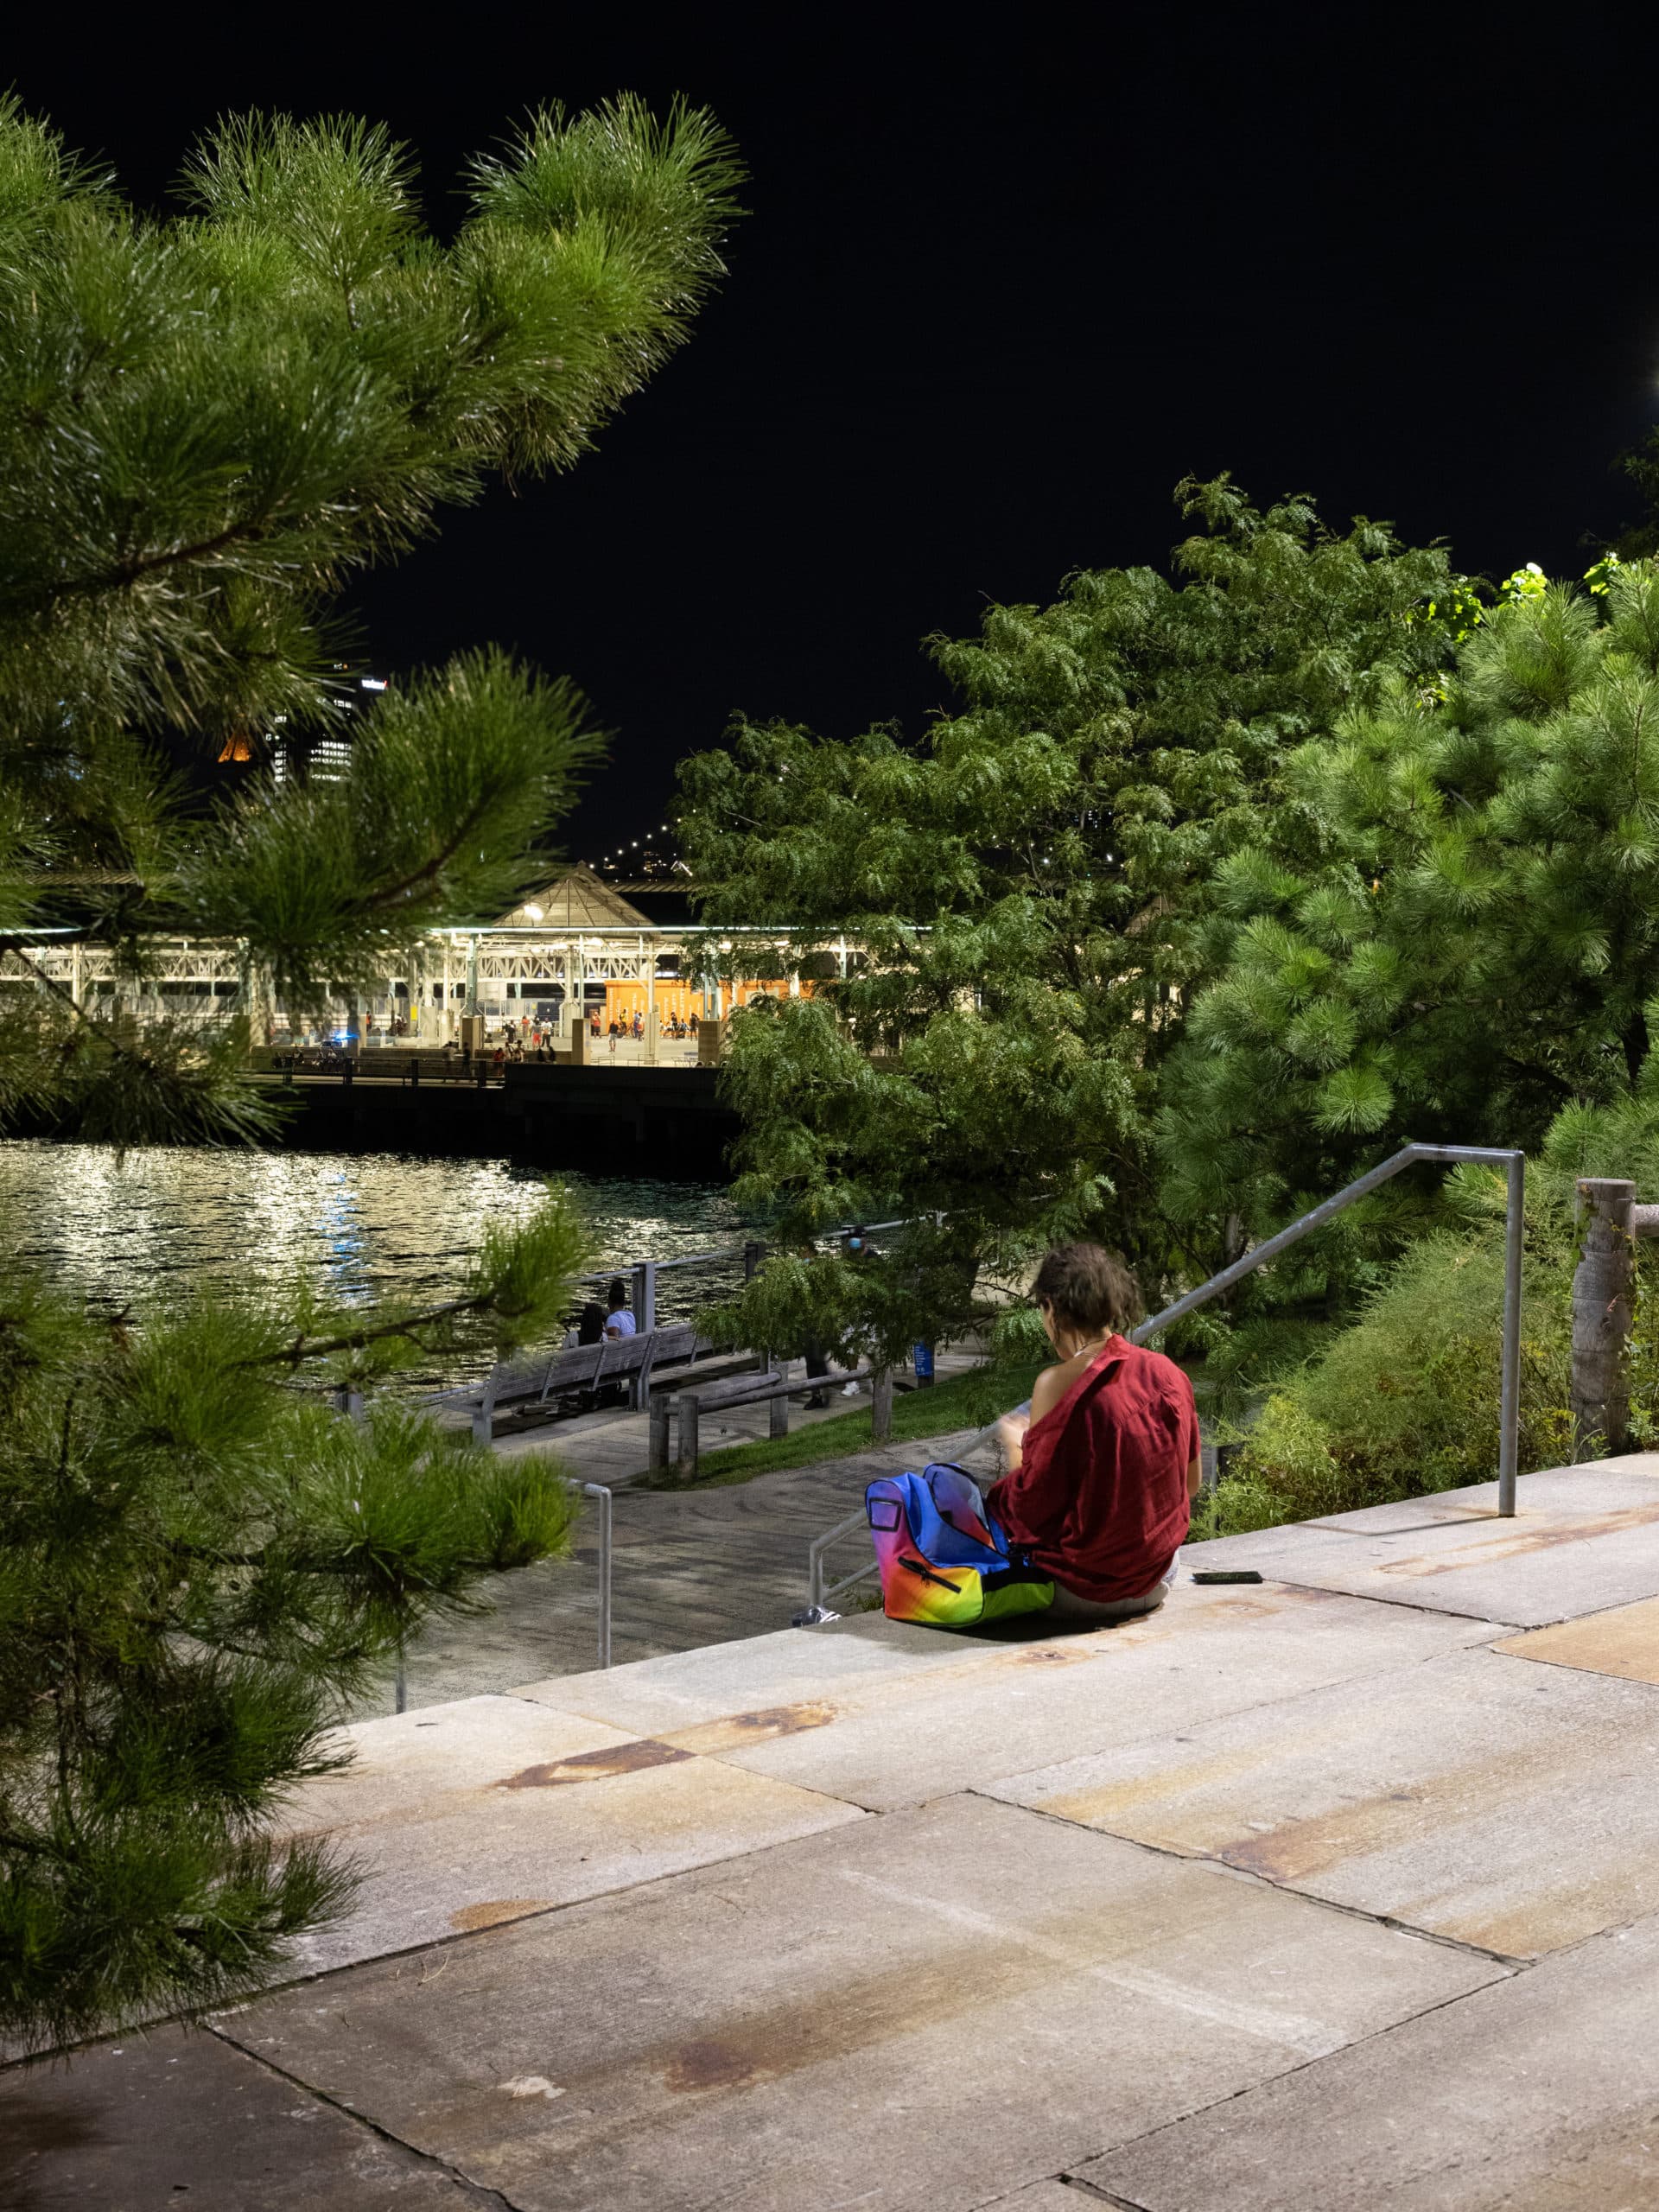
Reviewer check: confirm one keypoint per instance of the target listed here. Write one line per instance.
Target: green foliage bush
(1404, 1400)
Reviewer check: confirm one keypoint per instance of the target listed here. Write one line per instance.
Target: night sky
(997, 294)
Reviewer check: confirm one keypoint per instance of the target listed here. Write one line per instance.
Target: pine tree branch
(127, 572)
(320, 1347)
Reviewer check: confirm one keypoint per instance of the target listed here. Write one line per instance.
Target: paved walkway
(690, 1566)
(614, 1447)
(1338, 1891)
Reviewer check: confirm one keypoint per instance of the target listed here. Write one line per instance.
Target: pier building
(573, 956)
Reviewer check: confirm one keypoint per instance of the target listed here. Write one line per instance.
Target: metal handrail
(400, 1678)
(1515, 1163)
(817, 1596)
(1509, 1415)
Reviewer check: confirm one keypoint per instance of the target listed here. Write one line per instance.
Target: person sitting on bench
(618, 1321)
(1102, 1472)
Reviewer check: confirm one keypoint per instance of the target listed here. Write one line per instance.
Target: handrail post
(599, 1490)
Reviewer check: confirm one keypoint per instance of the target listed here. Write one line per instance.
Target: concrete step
(1335, 1891)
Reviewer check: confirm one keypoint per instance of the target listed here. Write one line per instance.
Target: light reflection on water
(361, 1226)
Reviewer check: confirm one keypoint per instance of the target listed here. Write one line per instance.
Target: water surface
(362, 1225)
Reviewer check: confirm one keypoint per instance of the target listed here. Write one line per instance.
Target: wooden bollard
(687, 1407)
(1602, 1292)
(657, 1459)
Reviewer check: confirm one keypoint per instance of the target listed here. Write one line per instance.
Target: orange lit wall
(681, 1001)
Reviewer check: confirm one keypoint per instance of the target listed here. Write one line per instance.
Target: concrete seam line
(541, 1912)
(481, 2195)
(1272, 2081)
(1408, 1605)
(1280, 1889)
(1097, 2196)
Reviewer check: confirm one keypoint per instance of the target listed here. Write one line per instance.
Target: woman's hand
(1011, 1436)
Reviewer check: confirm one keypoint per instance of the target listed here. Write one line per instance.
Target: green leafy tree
(1026, 894)
(1452, 931)
(209, 425)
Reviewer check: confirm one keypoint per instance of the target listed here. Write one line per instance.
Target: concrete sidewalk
(1340, 1890)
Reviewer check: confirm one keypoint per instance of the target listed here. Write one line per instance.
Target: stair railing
(1508, 1414)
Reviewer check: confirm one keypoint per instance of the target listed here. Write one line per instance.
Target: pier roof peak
(575, 899)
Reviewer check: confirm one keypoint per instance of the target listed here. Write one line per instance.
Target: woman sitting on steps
(1102, 1472)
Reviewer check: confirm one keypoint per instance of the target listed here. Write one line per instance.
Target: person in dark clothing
(817, 1367)
(588, 1328)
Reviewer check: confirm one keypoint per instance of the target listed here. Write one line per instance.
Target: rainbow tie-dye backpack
(944, 1561)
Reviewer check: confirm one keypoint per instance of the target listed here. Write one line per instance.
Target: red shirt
(1099, 1498)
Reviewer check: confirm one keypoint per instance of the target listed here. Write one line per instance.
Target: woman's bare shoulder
(1053, 1383)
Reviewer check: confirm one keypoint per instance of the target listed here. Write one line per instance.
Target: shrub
(1406, 1401)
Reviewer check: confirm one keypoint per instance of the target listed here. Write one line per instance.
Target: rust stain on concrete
(1622, 1641)
(1132, 1808)
(714, 2063)
(596, 1766)
(763, 1725)
(491, 1912)
(1297, 1849)
(1524, 1540)
(922, 1990)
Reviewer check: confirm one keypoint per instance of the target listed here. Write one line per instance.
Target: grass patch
(964, 1402)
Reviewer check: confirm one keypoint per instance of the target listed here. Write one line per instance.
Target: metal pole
(400, 1683)
(1509, 1432)
(599, 1490)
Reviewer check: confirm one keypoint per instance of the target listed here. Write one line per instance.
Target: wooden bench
(584, 1367)
(687, 1408)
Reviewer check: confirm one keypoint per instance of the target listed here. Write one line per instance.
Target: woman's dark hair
(591, 1325)
(617, 1292)
(1086, 1287)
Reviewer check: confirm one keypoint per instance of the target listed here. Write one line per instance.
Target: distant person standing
(861, 1252)
(817, 1367)
(618, 1321)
